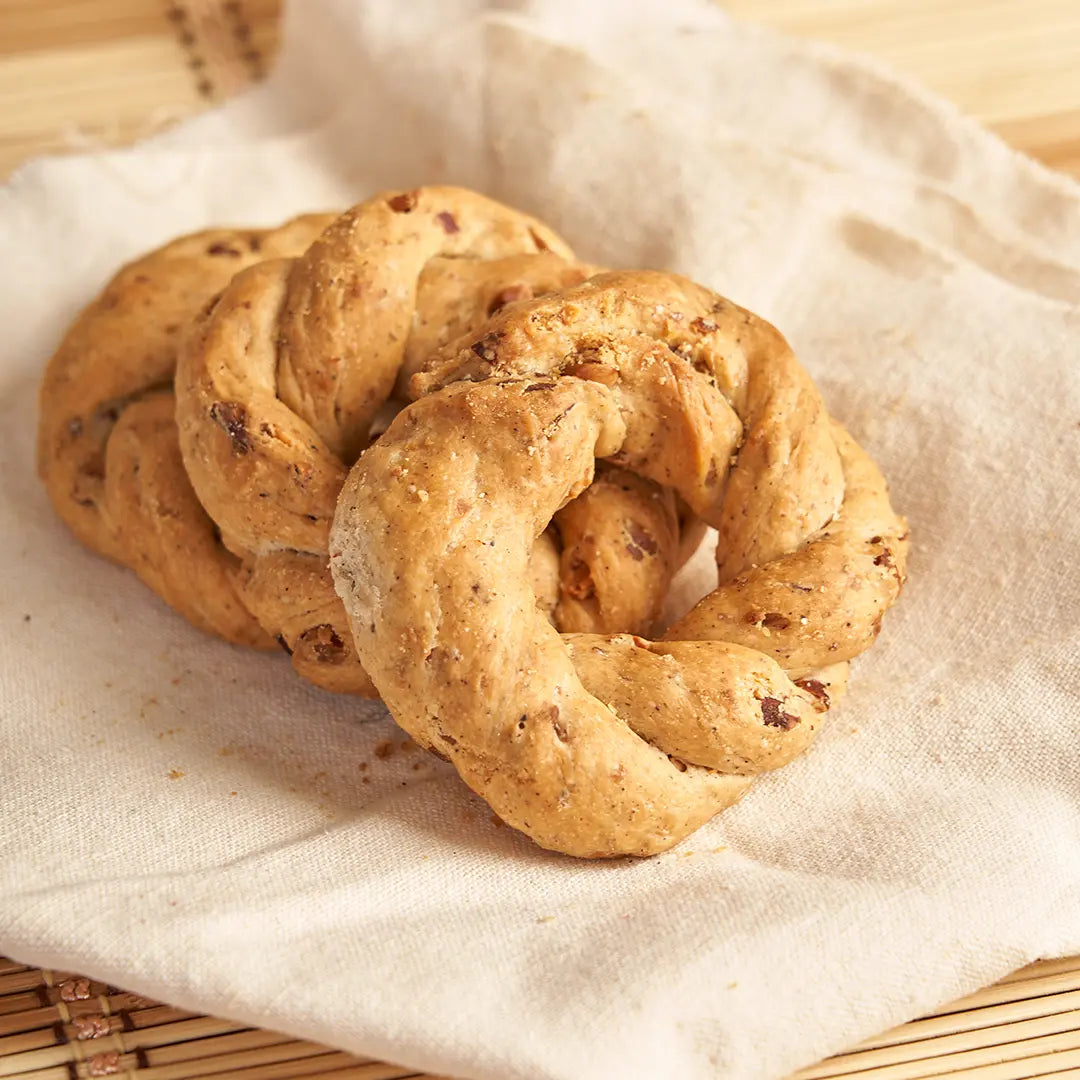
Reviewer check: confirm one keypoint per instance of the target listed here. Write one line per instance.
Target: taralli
(107, 444)
(279, 385)
(604, 746)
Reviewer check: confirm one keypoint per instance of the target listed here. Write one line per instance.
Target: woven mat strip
(217, 38)
(58, 1026)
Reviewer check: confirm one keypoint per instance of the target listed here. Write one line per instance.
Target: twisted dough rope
(107, 446)
(107, 442)
(279, 385)
(750, 438)
(602, 746)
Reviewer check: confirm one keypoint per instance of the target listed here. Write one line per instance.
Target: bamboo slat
(1045, 967)
(320, 1067)
(1035, 986)
(951, 1023)
(63, 1027)
(1055, 1031)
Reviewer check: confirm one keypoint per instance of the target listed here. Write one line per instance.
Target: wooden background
(83, 73)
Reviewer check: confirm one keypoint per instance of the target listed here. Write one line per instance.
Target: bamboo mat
(81, 73)
(58, 1026)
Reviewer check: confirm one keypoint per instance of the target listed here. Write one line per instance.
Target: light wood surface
(76, 73)
(82, 73)
(1013, 64)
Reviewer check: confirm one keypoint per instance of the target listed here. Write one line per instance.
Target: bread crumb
(175, 774)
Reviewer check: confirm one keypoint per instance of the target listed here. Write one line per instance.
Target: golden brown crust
(544, 572)
(445, 629)
(294, 594)
(823, 603)
(121, 349)
(620, 549)
(167, 539)
(601, 746)
(454, 296)
(278, 386)
(630, 329)
(277, 389)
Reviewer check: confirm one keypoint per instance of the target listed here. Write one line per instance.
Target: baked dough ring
(601, 746)
(107, 447)
(278, 387)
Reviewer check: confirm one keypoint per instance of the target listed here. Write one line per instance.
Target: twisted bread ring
(787, 459)
(107, 446)
(603, 746)
(279, 385)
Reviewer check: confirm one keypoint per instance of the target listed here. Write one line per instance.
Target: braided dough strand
(448, 632)
(169, 541)
(280, 382)
(767, 426)
(278, 389)
(620, 549)
(823, 603)
(131, 501)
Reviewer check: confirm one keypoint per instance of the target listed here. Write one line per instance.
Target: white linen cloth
(190, 821)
